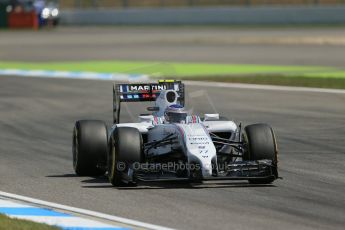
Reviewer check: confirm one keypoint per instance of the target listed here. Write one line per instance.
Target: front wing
(244, 170)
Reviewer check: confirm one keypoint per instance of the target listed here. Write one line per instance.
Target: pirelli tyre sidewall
(125, 148)
(89, 147)
(260, 143)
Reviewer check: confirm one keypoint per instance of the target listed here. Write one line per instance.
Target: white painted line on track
(18, 210)
(64, 222)
(10, 204)
(263, 87)
(82, 211)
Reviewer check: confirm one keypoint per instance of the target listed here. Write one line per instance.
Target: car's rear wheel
(124, 150)
(89, 147)
(260, 144)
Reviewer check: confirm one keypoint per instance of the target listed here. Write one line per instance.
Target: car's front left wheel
(125, 149)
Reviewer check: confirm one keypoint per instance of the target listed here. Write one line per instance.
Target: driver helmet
(175, 114)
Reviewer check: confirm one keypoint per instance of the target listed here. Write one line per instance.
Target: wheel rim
(112, 161)
(75, 149)
(246, 147)
(275, 147)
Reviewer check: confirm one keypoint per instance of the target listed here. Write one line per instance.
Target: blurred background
(285, 42)
(183, 3)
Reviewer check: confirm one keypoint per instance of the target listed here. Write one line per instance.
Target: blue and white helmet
(175, 113)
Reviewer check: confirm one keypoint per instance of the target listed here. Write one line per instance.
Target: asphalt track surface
(37, 117)
(36, 121)
(324, 46)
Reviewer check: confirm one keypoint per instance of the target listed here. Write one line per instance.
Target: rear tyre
(260, 144)
(124, 150)
(90, 138)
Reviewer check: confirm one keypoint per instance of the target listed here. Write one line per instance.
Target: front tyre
(261, 144)
(124, 150)
(90, 138)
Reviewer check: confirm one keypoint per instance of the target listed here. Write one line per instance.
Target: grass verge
(7, 223)
(175, 68)
(308, 76)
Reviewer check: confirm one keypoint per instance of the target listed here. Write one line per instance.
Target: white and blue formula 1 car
(170, 145)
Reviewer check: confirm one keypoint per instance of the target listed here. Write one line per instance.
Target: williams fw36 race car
(169, 144)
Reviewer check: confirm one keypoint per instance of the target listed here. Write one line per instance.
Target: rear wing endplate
(134, 92)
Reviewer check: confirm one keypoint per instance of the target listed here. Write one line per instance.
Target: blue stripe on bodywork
(23, 211)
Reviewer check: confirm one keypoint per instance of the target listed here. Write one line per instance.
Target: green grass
(7, 223)
(176, 69)
(314, 76)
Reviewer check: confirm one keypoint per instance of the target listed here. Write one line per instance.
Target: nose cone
(200, 148)
(207, 170)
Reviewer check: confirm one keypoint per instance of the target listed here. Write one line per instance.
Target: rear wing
(143, 92)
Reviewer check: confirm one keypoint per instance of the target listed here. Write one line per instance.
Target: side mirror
(153, 109)
(211, 117)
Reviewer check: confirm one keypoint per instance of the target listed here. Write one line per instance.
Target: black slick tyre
(90, 147)
(260, 144)
(125, 148)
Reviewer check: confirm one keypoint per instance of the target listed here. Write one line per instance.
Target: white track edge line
(83, 211)
(263, 87)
